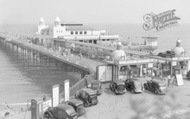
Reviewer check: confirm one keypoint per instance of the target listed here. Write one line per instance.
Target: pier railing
(51, 53)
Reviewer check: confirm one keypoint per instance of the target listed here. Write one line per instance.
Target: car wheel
(112, 87)
(145, 87)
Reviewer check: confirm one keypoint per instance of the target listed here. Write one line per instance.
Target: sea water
(27, 76)
(22, 78)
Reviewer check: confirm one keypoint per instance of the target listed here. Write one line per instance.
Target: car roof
(158, 81)
(64, 107)
(119, 82)
(75, 102)
(67, 108)
(89, 91)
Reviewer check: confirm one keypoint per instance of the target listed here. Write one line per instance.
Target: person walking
(80, 55)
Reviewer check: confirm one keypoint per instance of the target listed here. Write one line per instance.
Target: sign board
(46, 104)
(104, 73)
(174, 63)
(67, 89)
(179, 79)
(139, 61)
(55, 95)
(150, 65)
(180, 58)
(188, 67)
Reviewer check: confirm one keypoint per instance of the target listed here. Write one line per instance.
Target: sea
(23, 79)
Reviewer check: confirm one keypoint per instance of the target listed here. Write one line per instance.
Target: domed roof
(179, 51)
(57, 19)
(178, 41)
(117, 54)
(42, 19)
(119, 46)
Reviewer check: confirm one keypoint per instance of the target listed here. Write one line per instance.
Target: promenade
(174, 105)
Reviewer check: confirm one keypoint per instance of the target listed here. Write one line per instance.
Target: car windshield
(92, 96)
(95, 86)
(80, 108)
(70, 111)
(162, 87)
(162, 84)
(137, 85)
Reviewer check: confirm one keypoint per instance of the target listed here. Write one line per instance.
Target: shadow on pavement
(108, 91)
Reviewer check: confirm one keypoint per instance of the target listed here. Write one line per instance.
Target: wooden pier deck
(84, 63)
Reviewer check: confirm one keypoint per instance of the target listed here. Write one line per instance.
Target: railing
(54, 54)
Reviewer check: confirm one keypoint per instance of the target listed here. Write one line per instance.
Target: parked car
(96, 85)
(134, 85)
(188, 75)
(167, 54)
(156, 86)
(77, 105)
(88, 96)
(118, 87)
(62, 111)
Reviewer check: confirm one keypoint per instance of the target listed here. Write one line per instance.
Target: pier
(92, 54)
(106, 63)
(85, 64)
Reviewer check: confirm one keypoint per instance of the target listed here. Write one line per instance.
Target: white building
(80, 32)
(42, 25)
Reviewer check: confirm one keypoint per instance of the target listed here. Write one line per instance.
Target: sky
(88, 11)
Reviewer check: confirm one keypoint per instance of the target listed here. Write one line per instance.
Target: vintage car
(77, 105)
(134, 85)
(188, 75)
(156, 86)
(88, 96)
(118, 87)
(95, 85)
(62, 111)
(167, 54)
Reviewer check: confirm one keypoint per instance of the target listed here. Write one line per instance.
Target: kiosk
(174, 65)
(124, 67)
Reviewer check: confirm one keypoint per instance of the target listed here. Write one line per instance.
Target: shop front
(135, 68)
(173, 66)
(179, 65)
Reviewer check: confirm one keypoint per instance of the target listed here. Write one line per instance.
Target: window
(71, 32)
(76, 32)
(80, 32)
(85, 32)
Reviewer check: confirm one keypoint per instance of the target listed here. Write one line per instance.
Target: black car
(96, 86)
(156, 86)
(77, 105)
(118, 87)
(88, 96)
(62, 111)
(188, 75)
(134, 85)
